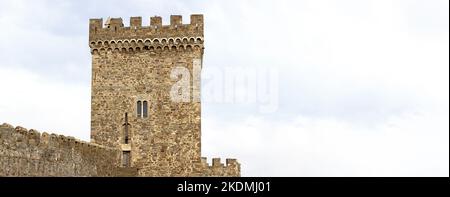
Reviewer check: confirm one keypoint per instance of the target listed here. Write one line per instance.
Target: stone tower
(132, 77)
(145, 110)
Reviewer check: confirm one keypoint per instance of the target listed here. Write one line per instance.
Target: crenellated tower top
(114, 36)
(114, 29)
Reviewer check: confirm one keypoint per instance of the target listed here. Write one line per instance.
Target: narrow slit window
(139, 109)
(126, 159)
(126, 130)
(145, 109)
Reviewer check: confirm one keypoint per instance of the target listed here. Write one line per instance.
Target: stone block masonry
(131, 68)
(29, 153)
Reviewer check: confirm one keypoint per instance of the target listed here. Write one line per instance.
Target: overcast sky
(361, 88)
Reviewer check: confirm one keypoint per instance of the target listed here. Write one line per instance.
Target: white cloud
(406, 145)
(34, 102)
(335, 59)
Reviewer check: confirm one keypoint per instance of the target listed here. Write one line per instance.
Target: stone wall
(218, 169)
(198, 169)
(28, 153)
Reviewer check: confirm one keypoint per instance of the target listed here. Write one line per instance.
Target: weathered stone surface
(129, 65)
(28, 153)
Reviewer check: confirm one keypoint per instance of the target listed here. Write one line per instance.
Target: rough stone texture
(29, 153)
(129, 64)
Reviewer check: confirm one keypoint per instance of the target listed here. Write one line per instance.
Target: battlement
(26, 152)
(230, 168)
(217, 163)
(23, 146)
(113, 34)
(33, 137)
